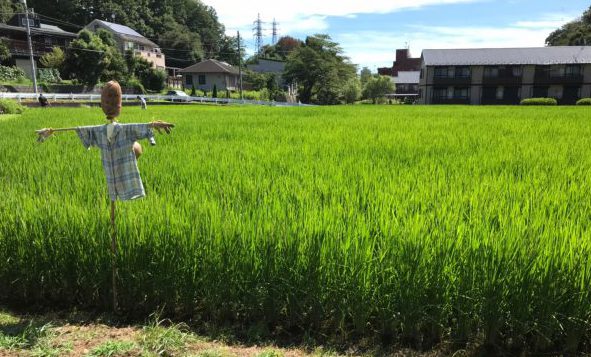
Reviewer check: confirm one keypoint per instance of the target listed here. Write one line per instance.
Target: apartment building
(505, 75)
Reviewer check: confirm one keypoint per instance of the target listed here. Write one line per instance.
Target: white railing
(133, 97)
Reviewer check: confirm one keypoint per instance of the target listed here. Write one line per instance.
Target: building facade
(43, 37)
(404, 62)
(505, 75)
(130, 40)
(209, 73)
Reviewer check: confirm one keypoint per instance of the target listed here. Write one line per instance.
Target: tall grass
(411, 224)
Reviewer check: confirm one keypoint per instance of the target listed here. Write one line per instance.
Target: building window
(201, 79)
(572, 71)
(500, 92)
(517, 71)
(440, 93)
(189, 79)
(491, 72)
(461, 93)
(443, 72)
(462, 72)
(129, 45)
(540, 92)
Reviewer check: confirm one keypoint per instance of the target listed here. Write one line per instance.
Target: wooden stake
(114, 256)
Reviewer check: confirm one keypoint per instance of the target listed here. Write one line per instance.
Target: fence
(133, 97)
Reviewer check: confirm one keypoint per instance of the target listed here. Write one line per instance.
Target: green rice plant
(407, 225)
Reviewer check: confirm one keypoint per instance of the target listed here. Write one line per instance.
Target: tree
(89, 59)
(365, 75)
(7, 8)
(377, 87)
(53, 59)
(320, 69)
(574, 33)
(138, 67)
(214, 94)
(352, 91)
(4, 51)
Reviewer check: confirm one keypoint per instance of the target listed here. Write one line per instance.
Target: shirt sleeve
(88, 135)
(136, 132)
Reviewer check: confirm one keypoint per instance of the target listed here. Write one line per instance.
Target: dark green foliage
(7, 9)
(11, 73)
(193, 93)
(214, 94)
(151, 78)
(48, 75)
(93, 58)
(574, 33)
(584, 101)
(320, 69)
(54, 59)
(539, 101)
(9, 106)
(4, 52)
(187, 30)
(377, 87)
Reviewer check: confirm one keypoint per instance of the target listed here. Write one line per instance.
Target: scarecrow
(119, 153)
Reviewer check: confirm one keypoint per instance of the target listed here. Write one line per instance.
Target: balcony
(453, 100)
(501, 80)
(541, 77)
(445, 80)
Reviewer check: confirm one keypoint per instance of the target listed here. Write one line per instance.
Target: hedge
(539, 101)
(584, 101)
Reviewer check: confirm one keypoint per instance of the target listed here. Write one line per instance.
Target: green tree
(90, 59)
(377, 88)
(4, 51)
(574, 33)
(53, 59)
(214, 93)
(7, 8)
(352, 91)
(365, 75)
(320, 69)
(140, 68)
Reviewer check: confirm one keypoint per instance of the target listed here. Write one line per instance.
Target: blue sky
(370, 31)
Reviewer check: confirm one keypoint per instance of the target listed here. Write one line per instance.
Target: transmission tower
(275, 31)
(258, 34)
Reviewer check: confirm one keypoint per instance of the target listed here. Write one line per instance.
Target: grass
(406, 225)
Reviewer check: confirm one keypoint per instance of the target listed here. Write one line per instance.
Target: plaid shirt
(119, 162)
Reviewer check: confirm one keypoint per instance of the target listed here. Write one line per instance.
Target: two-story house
(43, 37)
(130, 40)
(505, 75)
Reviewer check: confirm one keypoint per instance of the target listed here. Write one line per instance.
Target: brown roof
(210, 66)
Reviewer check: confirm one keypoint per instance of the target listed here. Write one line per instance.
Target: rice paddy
(407, 224)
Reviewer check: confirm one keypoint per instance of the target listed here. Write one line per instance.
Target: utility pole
(258, 34)
(275, 31)
(240, 65)
(33, 69)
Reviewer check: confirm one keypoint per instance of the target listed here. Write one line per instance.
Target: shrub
(193, 93)
(135, 84)
(11, 73)
(8, 106)
(584, 101)
(48, 75)
(214, 94)
(539, 101)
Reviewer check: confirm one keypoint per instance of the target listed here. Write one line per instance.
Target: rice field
(407, 225)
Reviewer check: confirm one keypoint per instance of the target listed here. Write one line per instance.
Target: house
(204, 75)
(404, 62)
(130, 40)
(43, 37)
(406, 84)
(269, 66)
(505, 75)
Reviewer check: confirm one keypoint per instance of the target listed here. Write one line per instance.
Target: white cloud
(377, 49)
(307, 15)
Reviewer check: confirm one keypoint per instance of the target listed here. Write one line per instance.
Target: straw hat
(111, 99)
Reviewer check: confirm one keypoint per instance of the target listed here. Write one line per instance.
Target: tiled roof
(508, 56)
(210, 66)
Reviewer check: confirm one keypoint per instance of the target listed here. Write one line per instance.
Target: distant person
(43, 101)
(142, 102)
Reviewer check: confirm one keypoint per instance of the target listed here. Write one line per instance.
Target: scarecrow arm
(162, 125)
(45, 133)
